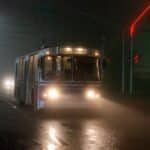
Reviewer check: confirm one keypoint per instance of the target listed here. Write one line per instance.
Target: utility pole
(123, 64)
(131, 66)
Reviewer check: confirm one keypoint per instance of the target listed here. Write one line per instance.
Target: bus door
(30, 78)
(19, 81)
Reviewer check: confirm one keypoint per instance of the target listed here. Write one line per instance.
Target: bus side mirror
(104, 63)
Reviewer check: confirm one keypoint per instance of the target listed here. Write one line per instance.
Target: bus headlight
(92, 94)
(52, 93)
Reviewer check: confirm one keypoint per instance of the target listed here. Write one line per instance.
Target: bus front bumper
(69, 101)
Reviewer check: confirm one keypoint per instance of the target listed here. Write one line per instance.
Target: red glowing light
(136, 59)
(138, 19)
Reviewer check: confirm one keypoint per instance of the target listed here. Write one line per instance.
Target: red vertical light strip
(136, 21)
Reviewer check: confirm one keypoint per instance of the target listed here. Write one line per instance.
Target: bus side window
(18, 74)
(16, 71)
(20, 69)
(31, 71)
(26, 69)
(23, 69)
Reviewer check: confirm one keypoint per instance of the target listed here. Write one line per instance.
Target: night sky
(24, 24)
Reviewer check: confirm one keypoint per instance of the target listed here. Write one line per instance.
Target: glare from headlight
(92, 94)
(52, 93)
(9, 84)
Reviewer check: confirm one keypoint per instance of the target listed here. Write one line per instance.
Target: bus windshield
(85, 68)
(68, 68)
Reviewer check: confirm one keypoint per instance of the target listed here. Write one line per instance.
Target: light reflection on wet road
(113, 127)
(76, 135)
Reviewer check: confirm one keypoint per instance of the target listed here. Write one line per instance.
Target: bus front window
(67, 68)
(86, 68)
(63, 68)
(57, 68)
(48, 68)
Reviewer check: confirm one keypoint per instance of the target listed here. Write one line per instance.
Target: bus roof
(64, 50)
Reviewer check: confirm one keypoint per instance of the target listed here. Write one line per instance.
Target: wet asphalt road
(110, 126)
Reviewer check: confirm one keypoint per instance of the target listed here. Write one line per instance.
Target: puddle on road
(76, 135)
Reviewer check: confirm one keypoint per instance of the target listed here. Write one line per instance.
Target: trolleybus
(58, 76)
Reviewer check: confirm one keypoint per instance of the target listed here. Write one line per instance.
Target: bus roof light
(47, 52)
(96, 54)
(68, 49)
